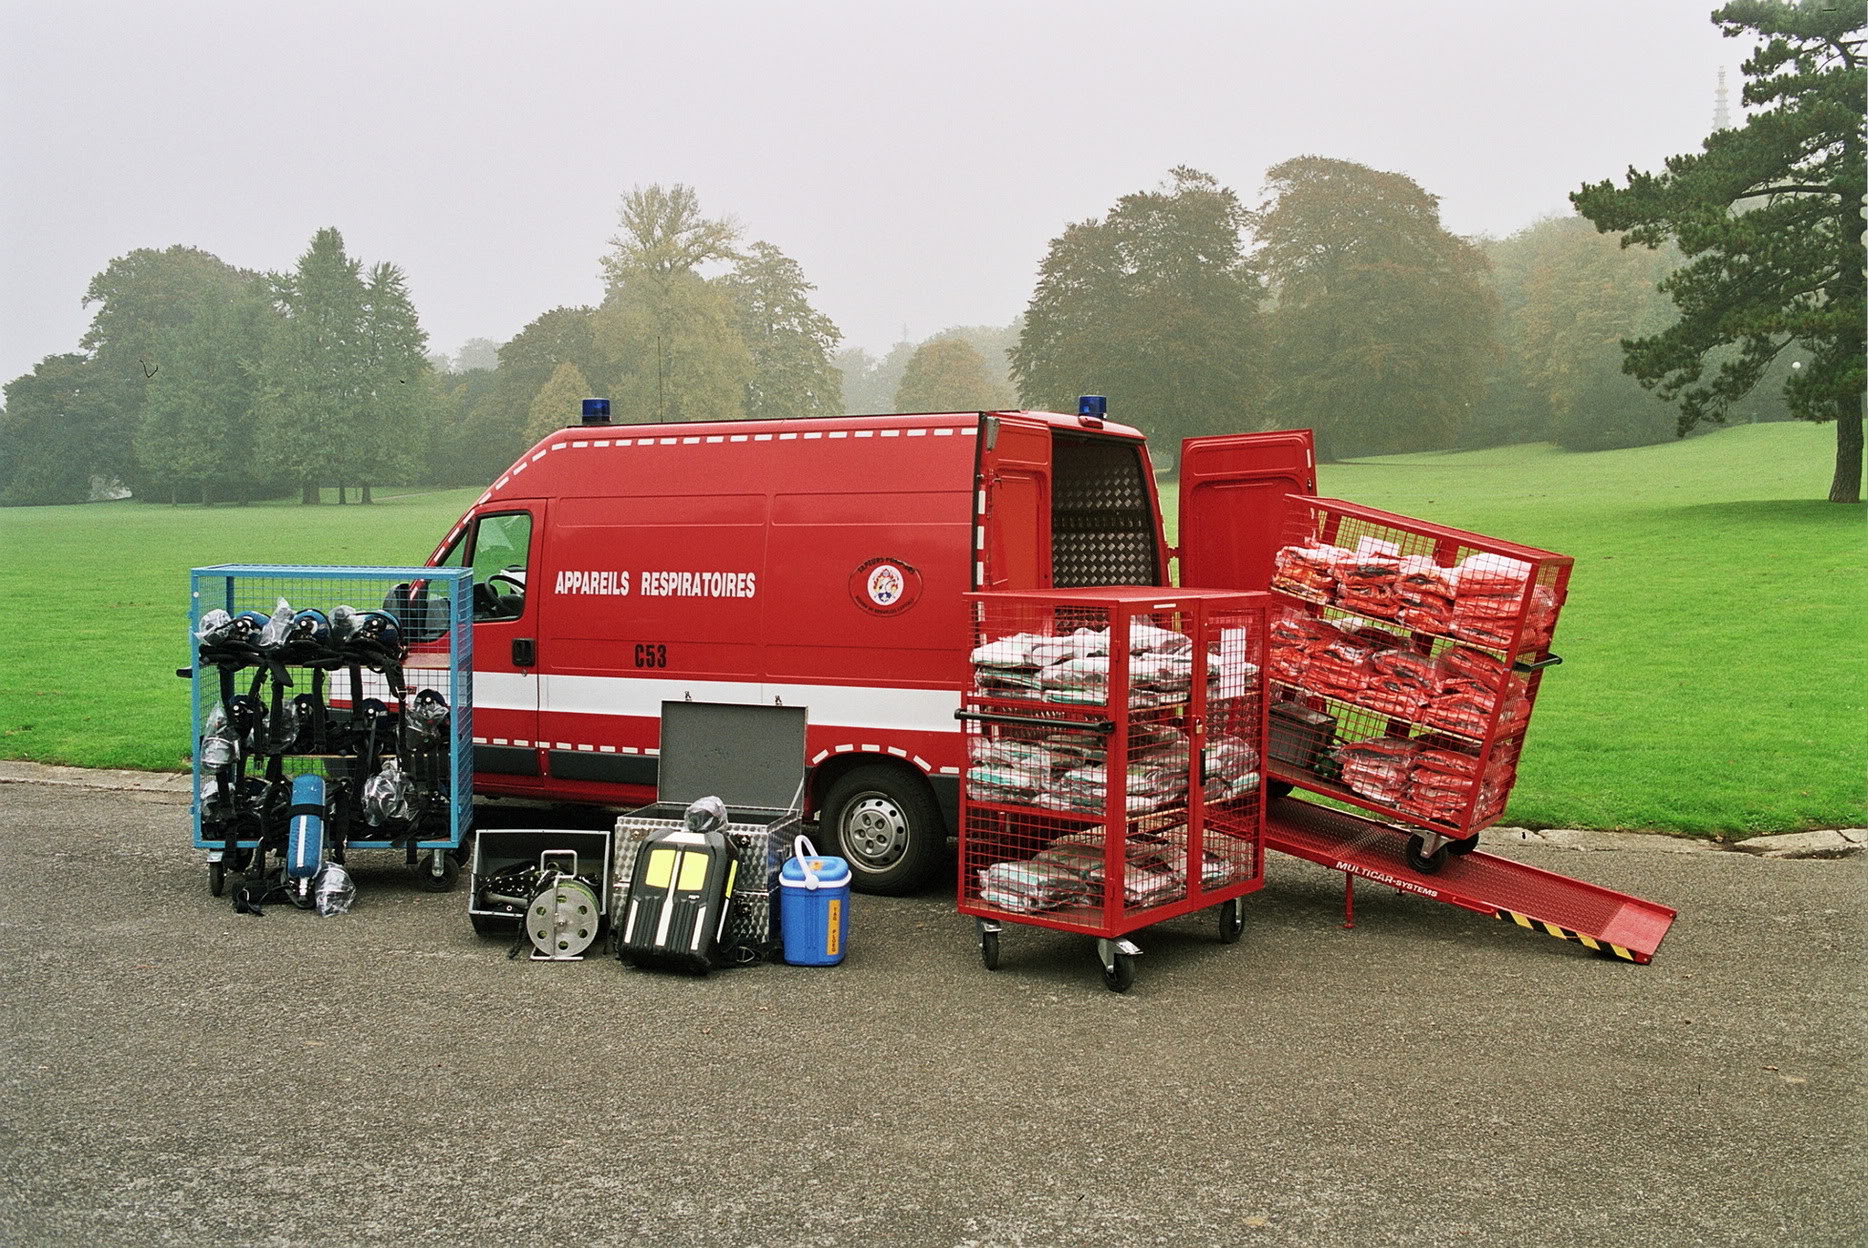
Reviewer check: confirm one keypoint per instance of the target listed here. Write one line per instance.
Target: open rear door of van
(1013, 547)
(1232, 504)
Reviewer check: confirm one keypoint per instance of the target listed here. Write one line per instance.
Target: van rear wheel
(886, 824)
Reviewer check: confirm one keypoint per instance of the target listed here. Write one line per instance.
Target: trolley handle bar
(1103, 726)
(1540, 665)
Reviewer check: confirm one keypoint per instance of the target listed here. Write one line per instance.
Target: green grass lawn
(1716, 660)
(96, 609)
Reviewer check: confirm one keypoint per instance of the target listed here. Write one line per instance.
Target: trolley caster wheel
(450, 872)
(1424, 862)
(1231, 922)
(1117, 978)
(989, 950)
(1459, 849)
(1278, 788)
(217, 878)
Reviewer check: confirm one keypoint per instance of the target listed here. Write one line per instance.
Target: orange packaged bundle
(1541, 622)
(1399, 683)
(1307, 570)
(1490, 599)
(1339, 670)
(1292, 640)
(1367, 583)
(1424, 596)
(1474, 667)
(1466, 714)
(1379, 769)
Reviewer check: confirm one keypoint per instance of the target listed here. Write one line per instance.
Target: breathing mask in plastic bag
(428, 714)
(273, 635)
(706, 815)
(333, 889)
(388, 795)
(217, 739)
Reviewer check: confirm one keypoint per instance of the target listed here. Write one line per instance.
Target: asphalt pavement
(177, 1073)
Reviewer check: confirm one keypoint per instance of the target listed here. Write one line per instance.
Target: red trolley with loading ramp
(1403, 665)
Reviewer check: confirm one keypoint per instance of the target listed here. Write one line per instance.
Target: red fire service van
(816, 563)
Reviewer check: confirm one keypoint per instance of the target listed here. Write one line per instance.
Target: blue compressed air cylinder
(304, 845)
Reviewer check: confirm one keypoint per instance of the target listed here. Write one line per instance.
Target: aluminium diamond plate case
(751, 758)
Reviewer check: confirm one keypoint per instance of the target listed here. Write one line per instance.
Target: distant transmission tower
(1721, 115)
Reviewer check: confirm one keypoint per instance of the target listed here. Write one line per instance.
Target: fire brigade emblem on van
(885, 586)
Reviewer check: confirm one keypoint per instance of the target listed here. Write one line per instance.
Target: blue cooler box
(814, 907)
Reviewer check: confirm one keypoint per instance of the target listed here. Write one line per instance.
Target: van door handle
(524, 652)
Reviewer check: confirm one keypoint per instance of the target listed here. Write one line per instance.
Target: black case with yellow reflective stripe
(677, 900)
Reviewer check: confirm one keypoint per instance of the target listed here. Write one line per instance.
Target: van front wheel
(887, 825)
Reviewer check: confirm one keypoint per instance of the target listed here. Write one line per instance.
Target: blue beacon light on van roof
(1092, 408)
(596, 411)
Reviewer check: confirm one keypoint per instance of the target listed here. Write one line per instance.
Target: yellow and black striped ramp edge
(1564, 933)
(1616, 925)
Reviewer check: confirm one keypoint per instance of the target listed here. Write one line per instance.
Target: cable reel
(563, 917)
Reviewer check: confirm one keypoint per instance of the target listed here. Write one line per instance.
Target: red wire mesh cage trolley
(1404, 666)
(1114, 780)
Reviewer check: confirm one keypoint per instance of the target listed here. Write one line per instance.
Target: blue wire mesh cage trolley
(358, 678)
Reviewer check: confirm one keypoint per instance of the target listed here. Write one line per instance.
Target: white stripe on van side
(505, 691)
(902, 710)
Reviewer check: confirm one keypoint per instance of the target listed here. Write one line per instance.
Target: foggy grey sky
(916, 159)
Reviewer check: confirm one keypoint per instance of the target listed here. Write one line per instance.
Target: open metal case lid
(747, 756)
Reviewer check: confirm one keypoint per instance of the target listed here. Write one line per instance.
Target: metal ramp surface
(1604, 920)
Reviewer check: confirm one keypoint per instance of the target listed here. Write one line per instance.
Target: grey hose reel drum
(564, 916)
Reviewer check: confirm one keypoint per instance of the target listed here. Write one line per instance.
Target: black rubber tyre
(1422, 861)
(1459, 849)
(450, 872)
(217, 878)
(1278, 788)
(1231, 922)
(885, 823)
(989, 950)
(1119, 979)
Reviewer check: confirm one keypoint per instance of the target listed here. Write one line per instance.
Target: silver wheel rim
(874, 833)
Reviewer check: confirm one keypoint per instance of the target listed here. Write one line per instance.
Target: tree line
(197, 379)
(1728, 287)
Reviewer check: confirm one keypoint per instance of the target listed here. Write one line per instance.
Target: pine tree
(1770, 216)
(398, 382)
(315, 372)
